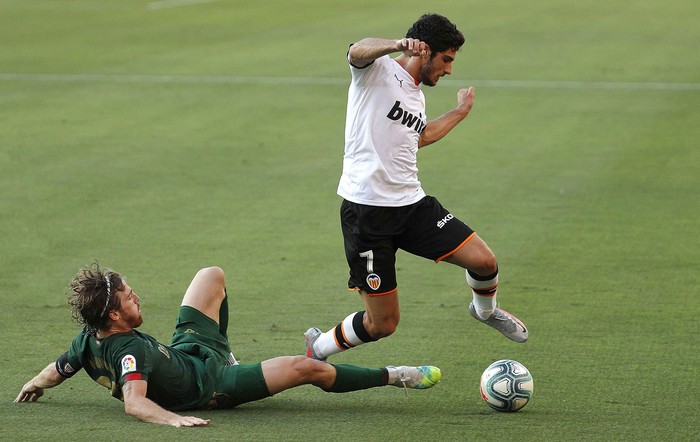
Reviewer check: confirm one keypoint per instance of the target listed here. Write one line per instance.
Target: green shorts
(238, 384)
(195, 331)
(225, 386)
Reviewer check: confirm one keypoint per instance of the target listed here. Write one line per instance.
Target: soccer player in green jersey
(197, 370)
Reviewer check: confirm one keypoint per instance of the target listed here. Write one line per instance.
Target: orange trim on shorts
(390, 292)
(457, 248)
(357, 289)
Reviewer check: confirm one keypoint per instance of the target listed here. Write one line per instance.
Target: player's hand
(412, 47)
(190, 421)
(465, 99)
(30, 392)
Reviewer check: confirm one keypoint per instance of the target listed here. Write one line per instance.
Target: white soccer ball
(506, 385)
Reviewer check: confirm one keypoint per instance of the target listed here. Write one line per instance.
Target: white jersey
(385, 117)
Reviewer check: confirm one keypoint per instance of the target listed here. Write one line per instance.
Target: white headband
(109, 294)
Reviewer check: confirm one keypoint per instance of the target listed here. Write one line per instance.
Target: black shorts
(373, 234)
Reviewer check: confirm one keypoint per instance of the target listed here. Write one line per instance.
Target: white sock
(393, 375)
(483, 293)
(341, 337)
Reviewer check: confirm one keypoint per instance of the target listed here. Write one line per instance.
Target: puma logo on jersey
(406, 118)
(442, 222)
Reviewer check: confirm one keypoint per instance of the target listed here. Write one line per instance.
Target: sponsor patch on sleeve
(128, 364)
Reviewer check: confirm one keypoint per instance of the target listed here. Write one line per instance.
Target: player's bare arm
(367, 50)
(436, 129)
(34, 389)
(136, 404)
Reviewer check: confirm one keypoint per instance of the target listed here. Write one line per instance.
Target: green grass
(162, 140)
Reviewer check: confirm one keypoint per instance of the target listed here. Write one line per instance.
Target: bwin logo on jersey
(406, 118)
(442, 222)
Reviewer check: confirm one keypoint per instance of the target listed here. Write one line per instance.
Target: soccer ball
(506, 385)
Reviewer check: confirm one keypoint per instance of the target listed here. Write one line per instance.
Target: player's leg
(382, 314)
(368, 234)
(206, 292)
(482, 276)
(482, 273)
(223, 315)
(223, 326)
(453, 241)
(379, 319)
(286, 372)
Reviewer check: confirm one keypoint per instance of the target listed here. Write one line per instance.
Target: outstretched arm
(34, 389)
(136, 404)
(367, 50)
(436, 129)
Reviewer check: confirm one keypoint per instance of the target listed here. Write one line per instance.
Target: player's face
(436, 67)
(130, 310)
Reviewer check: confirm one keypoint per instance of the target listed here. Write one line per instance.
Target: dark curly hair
(93, 295)
(438, 32)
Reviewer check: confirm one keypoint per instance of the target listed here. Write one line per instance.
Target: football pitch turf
(159, 137)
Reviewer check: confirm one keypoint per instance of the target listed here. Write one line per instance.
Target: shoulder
(81, 342)
(124, 344)
(378, 72)
(132, 338)
(382, 63)
(130, 354)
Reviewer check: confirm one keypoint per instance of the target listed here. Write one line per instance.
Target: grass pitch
(163, 136)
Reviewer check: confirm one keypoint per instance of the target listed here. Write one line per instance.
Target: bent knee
(476, 257)
(307, 369)
(483, 262)
(485, 266)
(382, 329)
(213, 274)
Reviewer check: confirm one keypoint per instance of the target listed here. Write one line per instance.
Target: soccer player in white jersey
(384, 207)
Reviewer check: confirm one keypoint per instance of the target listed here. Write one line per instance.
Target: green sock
(223, 316)
(352, 378)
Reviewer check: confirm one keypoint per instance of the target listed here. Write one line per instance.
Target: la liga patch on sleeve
(128, 364)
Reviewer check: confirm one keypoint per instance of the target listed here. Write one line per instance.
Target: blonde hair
(91, 296)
